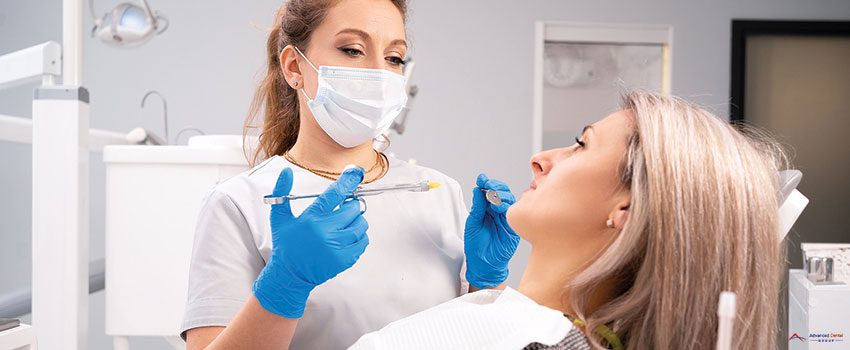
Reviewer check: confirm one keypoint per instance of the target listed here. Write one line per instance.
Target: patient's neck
(547, 276)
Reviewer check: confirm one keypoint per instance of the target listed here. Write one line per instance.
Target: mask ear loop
(381, 142)
(305, 58)
(305, 95)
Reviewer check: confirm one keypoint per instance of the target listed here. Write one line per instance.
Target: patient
(635, 230)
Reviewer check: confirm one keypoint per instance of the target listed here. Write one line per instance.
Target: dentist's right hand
(312, 248)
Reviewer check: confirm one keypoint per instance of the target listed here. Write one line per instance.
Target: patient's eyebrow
(586, 128)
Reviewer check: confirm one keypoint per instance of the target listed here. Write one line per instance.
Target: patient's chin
(515, 217)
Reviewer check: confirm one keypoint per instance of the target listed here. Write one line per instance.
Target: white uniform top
(413, 261)
(486, 319)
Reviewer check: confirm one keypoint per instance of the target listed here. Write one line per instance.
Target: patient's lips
(531, 187)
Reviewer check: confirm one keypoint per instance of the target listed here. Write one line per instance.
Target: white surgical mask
(355, 105)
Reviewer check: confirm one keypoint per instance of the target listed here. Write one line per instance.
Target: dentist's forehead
(379, 19)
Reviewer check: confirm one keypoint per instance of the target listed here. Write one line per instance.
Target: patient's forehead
(616, 126)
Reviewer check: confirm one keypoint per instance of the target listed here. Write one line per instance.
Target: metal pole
(60, 217)
(72, 42)
(60, 203)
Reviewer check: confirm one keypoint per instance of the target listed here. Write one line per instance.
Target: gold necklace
(377, 162)
(382, 160)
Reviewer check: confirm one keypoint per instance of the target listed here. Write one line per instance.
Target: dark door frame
(742, 29)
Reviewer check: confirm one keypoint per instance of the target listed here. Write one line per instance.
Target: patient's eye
(580, 143)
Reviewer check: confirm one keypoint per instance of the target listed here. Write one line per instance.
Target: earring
(295, 84)
(609, 223)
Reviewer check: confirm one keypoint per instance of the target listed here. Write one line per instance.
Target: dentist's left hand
(312, 248)
(489, 242)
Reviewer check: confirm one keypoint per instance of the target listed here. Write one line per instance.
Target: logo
(795, 336)
(826, 337)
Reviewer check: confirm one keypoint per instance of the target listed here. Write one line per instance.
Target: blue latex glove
(489, 242)
(312, 248)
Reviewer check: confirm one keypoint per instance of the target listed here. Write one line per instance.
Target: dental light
(128, 24)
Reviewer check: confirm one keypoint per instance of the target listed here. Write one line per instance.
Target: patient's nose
(541, 163)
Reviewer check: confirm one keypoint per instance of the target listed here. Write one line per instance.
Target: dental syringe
(421, 186)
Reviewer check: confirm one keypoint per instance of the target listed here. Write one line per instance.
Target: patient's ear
(620, 214)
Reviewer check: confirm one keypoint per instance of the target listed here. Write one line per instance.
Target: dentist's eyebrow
(586, 128)
(363, 35)
(398, 42)
(366, 37)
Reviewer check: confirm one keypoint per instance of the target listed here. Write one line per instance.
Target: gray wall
(474, 69)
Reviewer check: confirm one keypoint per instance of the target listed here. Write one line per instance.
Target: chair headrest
(788, 181)
(791, 202)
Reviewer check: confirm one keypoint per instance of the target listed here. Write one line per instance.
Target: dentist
(319, 275)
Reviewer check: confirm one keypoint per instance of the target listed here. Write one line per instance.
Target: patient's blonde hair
(702, 219)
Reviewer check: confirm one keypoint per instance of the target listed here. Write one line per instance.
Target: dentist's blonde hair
(702, 219)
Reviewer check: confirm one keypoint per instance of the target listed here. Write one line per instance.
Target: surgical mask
(355, 105)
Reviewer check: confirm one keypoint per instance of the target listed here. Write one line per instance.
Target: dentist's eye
(351, 52)
(580, 143)
(396, 61)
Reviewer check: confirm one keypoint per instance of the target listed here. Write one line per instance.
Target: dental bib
(486, 319)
